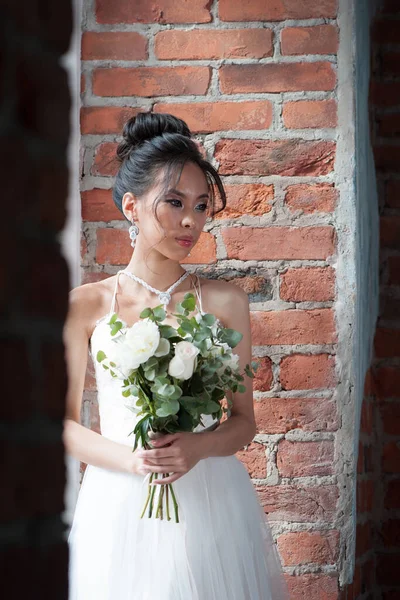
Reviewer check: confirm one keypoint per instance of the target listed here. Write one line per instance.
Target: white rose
(134, 348)
(163, 348)
(184, 362)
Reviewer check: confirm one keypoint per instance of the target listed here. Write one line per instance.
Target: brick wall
(257, 84)
(34, 296)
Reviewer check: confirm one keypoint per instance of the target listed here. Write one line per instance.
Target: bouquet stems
(163, 500)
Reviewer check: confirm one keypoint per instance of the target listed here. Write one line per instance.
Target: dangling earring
(133, 233)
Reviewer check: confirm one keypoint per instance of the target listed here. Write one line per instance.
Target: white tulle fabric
(222, 549)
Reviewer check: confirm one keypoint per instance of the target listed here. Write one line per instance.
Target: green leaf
(116, 327)
(170, 407)
(189, 302)
(113, 319)
(209, 319)
(100, 356)
(230, 337)
(241, 388)
(159, 313)
(166, 331)
(146, 313)
(151, 363)
(105, 367)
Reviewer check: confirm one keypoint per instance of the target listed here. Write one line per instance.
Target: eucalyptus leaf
(116, 327)
(159, 313)
(100, 356)
(209, 319)
(166, 331)
(146, 313)
(113, 319)
(230, 337)
(170, 407)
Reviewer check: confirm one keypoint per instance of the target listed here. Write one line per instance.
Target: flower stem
(148, 496)
(152, 496)
(167, 501)
(175, 503)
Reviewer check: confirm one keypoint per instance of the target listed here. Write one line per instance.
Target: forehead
(189, 180)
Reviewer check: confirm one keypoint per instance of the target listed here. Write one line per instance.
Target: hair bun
(146, 126)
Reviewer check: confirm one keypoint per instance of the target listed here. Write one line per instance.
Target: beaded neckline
(164, 296)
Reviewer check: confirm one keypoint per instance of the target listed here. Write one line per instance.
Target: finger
(169, 479)
(165, 439)
(157, 453)
(158, 461)
(161, 468)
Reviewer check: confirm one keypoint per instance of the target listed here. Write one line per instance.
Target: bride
(222, 548)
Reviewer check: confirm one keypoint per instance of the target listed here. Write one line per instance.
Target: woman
(222, 548)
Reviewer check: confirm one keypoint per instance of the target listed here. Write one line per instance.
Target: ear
(129, 206)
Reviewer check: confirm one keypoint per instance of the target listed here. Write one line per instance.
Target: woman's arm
(79, 441)
(240, 428)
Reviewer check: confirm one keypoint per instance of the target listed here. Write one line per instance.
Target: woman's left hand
(175, 453)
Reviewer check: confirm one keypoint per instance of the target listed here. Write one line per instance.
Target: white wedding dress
(222, 548)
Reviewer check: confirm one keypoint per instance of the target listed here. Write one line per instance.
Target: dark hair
(151, 142)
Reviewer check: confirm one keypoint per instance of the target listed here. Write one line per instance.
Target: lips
(186, 242)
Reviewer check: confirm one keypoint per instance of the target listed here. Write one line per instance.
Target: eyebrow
(182, 195)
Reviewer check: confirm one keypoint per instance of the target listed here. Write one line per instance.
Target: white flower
(184, 362)
(163, 348)
(134, 348)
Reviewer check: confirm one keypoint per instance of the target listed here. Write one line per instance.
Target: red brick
(390, 533)
(392, 192)
(387, 342)
(113, 248)
(394, 270)
(390, 232)
(313, 587)
(367, 416)
(388, 125)
(390, 416)
(320, 197)
(302, 505)
(304, 114)
(254, 459)
(35, 476)
(360, 458)
(363, 538)
(90, 379)
(302, 459)
(206, 117)
(385, 31)
(308, 284)
(387, 568)
(83, 83)
(290, 327)
(392, 497)
(84, 247)
(151, 81)
(98, 205)
(211, 44)
(162, 11)
(365, 495)
(204, 252)
(273, 78)
(390, 64)
(264, 377)
(387, 158)
(302, 547)
(319, 39)
(275, 157)
(259, 10)
(385, 93)
(93, 276)
(387, 380)
(113, 45)
(105, 160)
(280, 415)
(247, 199)
(307, 372)
(105, 119)
(271, 243)
(391, 457)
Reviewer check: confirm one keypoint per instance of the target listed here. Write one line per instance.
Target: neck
(155, 269)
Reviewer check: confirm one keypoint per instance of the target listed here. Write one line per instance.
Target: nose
(188, 221)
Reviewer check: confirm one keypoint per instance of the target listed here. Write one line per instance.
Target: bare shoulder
(224, 299)
(90, 301)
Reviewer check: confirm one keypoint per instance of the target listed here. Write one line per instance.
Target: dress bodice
(117, 420)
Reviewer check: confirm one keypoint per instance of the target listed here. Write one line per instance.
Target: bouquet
(173, 376)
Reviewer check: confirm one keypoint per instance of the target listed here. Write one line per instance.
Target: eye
(174, 202)
(202, 207)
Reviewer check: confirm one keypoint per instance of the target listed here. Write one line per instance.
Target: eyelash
(171, 200)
